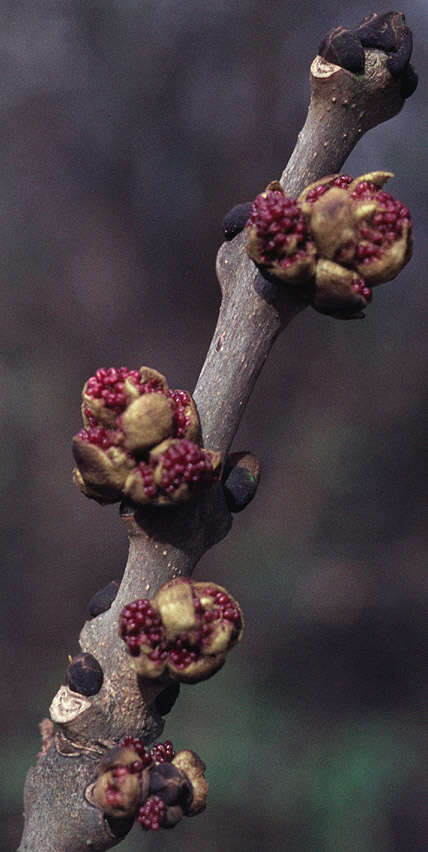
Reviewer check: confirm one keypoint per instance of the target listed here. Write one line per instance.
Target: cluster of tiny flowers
(184, 462)
(113, 793)
(140, 626)
(224, 607)
(162, 752)
(151, 815)
(158, 753)
(147, 473)
(278, 220)
(152, 454)
(362, 289)
(341, 181)
(96, 435)
(181, 400)
(157, 790)
(332, 253)
(108, 385)
(387, 222)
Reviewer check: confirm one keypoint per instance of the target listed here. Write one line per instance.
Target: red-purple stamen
(181, 400)
(152, 814)
(278, 220)
(185, 463)
(96, 435)
(162, 752)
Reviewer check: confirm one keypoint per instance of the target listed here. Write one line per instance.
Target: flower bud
(177, 470)
(185, 632)
(355, 223)
(385, 244)
(118, 793)
(193, 768)
(278, 239)
(139, 432)
(186, 417)
(171, 785)
(122, 783)
(340, 238)
(152, 815)
(177, 789)
(106, 394)
(339, 291)
(102, 465)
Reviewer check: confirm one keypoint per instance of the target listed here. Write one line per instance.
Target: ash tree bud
(193, 768)
(122, 783)
(235, 220)
(278, 240)
(108, 393)
(177, 470)
(167, 698)
(241, 480)
(140, 440)
(344, 48)
(176, 789)
(353, 236)
(102, 465)
(102, 600)
(84, 674)
(170, 784)
(184, 632)
(155, 787)
(387, 32)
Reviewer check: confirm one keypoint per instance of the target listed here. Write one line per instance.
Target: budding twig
(167, 543)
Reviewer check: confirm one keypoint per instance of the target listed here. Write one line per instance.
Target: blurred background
(128, 129)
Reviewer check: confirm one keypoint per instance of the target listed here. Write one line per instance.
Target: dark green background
(127, 131)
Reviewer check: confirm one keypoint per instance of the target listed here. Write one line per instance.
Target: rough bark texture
(169, 542)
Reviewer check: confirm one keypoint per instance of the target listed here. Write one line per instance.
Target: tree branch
(168, 542)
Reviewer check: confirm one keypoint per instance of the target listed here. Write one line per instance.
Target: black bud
(239, 488)
(236, 219)
(398, 61)
(103, 599)
(241, 479)
(383, 32)
(343, 48)
(389, 33)
(166, 700)
(84, 675)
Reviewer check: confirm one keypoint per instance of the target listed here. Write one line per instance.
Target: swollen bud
(84, 674)
(278, 240)
(340, 238)
(177, 470)
(141, 440)
(184, 632)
